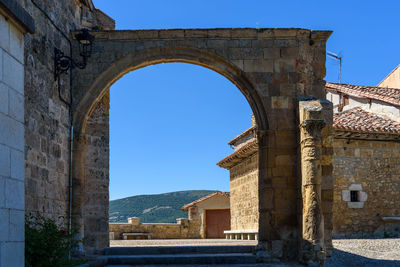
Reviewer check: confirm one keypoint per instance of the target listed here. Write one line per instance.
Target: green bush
(48, 244)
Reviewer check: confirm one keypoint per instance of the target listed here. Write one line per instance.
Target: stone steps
(179, 255)
(179, 259)
(173, 250)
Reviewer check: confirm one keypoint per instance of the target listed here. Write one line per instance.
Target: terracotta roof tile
(359, 120)
(387, 95)
(225, 194)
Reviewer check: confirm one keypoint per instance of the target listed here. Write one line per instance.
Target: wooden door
(217, 221)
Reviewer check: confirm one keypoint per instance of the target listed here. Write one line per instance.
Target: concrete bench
(133, 236)
(241, 234)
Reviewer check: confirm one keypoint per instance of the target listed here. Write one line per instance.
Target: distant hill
(160, 208)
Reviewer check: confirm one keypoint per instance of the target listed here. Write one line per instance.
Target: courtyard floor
(347, 252)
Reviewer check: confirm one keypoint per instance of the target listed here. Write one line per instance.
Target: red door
(217, 221)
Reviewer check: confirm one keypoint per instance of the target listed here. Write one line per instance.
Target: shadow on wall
(343, 258)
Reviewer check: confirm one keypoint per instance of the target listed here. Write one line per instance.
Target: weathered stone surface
(370, 168)
(263, 63)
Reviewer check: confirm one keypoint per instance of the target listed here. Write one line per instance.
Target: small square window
(354, 196)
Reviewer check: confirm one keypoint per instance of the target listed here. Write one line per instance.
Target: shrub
(48, 244)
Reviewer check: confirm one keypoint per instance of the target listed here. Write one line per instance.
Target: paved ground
(365, 252)
(347, 252)
(181, 242)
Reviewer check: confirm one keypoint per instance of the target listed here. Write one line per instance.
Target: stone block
(196, 33)
(221, 33)
(171, 34)
(5, 166)
(285, 65)
(134, 220)
(17, 225)
(355, 187)
(272, 53)
(4, 224)
(258, 65)
(290, 52)
(16, 105)
(4, 33)
(13, 73)
(346, 195)
(238, 63)
(14, 194)
(16, 44)
(12, 254)
(279, 102)
(363, 196)
(277, 248)
(13, 135)
(3, 96)
(17, 165)
(355, 205)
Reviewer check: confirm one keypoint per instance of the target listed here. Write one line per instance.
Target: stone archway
(271, 67)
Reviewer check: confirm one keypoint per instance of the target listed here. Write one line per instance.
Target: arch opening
(95, 95)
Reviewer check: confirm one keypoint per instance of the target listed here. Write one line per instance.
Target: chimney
(253, 120)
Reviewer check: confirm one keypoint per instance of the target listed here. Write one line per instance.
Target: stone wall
(184, 228)
(47, 120)
(11, 143)
(372, 168)
(271, 67)
(244, 194)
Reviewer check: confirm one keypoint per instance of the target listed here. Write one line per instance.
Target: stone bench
(133, 236)
(241, 234)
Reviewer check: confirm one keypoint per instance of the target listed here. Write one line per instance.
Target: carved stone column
(311, 124)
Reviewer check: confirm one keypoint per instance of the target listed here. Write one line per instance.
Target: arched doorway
(271, 67)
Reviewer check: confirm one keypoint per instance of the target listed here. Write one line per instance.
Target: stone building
(243, 167)
(366, 160)
(211, 214)
(63, 133)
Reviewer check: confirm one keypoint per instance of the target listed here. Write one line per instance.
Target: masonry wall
(96, 159)
(373, 169)
(244, 194)
(182, 229)
(11, 144)
(47, 122)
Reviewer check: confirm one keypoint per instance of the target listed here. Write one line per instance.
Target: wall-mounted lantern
(63, 63)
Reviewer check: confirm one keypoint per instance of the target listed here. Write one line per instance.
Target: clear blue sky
(173, 142)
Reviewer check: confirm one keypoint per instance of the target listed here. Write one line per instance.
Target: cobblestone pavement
(347, 252)
(365, 252)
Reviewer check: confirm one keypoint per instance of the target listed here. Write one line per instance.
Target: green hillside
(160, 208)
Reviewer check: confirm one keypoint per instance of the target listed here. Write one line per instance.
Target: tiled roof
(387, 95)
(205, 198)
(243, 134)
(359, 120)
(248, 149)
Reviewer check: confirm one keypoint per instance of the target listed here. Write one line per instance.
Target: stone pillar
(311, 124)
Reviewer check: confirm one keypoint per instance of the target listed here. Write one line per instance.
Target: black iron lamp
(63, 63)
